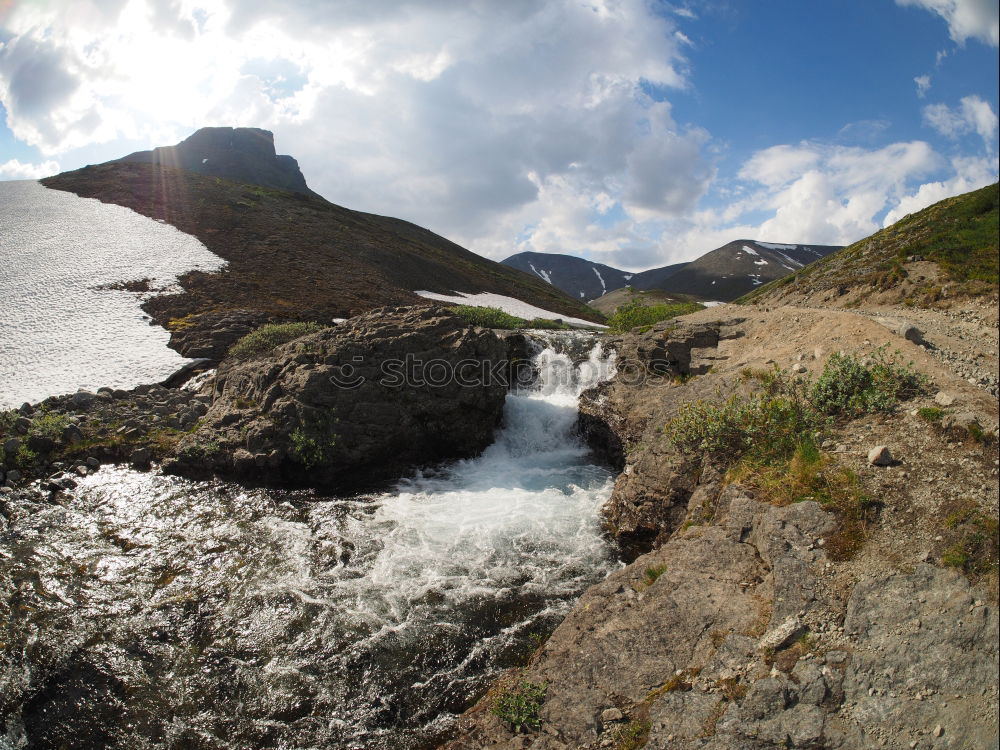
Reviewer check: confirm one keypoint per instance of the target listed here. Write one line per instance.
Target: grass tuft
(637, 315)
(267, 337)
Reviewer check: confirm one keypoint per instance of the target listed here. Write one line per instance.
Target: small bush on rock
(519, 705)
(267, 337)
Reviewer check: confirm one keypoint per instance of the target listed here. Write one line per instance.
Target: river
(148, 611)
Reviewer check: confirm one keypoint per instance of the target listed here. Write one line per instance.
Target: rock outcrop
(238, 154)
(355, 404)
(739, 624)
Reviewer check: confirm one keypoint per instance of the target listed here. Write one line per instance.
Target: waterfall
(260, 618)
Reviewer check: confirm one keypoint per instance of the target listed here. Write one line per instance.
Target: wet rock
(141, 457)
(22, 425)
(82, 400)
(13, 475)
(11, 446)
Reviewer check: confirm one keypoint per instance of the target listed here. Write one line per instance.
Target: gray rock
(880, 456)
(82, 400)
(611, 714)
(352, 404)
(72, 434)
(22, 425)
(11, 446)
(782, 635)
(41, 443)
(141, 457)
(943, 398)
(13, 475)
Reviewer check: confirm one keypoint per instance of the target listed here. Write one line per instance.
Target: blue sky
(634, 132)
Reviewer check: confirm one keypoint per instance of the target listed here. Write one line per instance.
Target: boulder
(353, 405)
(880, 456)
(943, 398)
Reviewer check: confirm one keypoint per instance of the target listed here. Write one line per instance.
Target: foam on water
(58, 333)
(263, 619)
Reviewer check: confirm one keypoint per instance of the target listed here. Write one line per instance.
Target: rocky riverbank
(347, 406)
(844, 602)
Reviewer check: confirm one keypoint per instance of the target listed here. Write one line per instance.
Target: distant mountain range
(723, 274)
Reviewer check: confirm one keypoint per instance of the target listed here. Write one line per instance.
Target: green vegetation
(960, 234)
(652, 573)
(635, 314)
(519, 705)
(315, 438)
(768, 439)
(851, 387)
(494, 317)
(631, 736)
(7, 420)
(49, 425)
(930, 413)
(974, 543)
(267, 337)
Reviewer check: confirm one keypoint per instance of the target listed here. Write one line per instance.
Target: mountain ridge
(722, 274)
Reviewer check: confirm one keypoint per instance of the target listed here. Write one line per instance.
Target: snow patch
(750, 250)
(712, 302)
(760, 262)
(543, 274)
(776, 246)
(627, 276)
(509, 305)
(604, 287)
(791, 260)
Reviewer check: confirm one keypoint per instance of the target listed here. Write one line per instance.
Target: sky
(635, 133)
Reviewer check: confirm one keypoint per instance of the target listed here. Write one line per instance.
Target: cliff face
(238, 154)
(752, 617)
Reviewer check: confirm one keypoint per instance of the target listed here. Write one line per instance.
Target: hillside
(949, 249)
(611, 301)
(579, 278)
(291, 255)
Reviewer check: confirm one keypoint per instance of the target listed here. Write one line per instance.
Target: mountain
(238, 154)
(722, 274)
(948, 249)
(291, 254)
(579, 278)
(734, 269)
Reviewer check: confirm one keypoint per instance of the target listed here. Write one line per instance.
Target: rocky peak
(240, 154)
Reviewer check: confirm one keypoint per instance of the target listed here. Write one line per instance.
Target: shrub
(634, 314)
(851, 387)
(762, 426)
(267, 337)
(519, 705)
(49, 425)
(313, 440)
(488, 317)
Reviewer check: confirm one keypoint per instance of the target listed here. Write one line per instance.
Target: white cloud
(17, 170)
(969, 173)
(464, 118)
(972, 116)
(923, 85)
(966, 19)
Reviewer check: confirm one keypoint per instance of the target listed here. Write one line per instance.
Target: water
(58, 333)
(153, 612)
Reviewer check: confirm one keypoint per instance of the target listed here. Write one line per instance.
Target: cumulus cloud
(966, 19)
(17, 170)
(923, 85)
(462, 117)
(973, 115)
